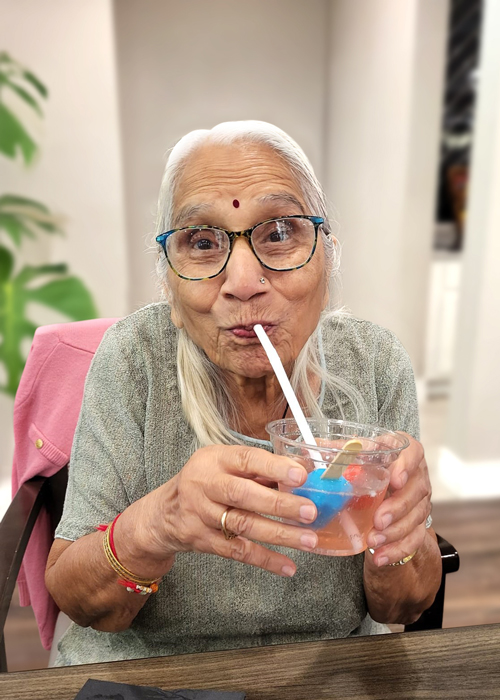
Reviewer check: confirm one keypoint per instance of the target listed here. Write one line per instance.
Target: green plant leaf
(67, 295)
(16, 199)
(6, 264)
(40, 87)
(10, 67)
(24, 95)
(14, 137)
(14, 228)
(20, 216)
(29, 272)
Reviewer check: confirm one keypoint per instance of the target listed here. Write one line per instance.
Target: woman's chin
(250, 362)
(249, 366)
(250, 372)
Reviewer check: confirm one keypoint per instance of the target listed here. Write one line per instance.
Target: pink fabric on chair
(46, 409)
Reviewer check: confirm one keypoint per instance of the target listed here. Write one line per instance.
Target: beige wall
(70, 46)
(189, 65)
(385, 85)
(474, 434)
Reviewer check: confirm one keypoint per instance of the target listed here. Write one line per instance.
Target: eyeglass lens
(281, 244)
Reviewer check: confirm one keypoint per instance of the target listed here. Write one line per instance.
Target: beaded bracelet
(132, 583)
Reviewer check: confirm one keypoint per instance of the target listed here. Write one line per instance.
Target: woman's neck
(258, 402)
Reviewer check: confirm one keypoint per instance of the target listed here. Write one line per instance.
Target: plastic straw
(345, 519)
(295, 408)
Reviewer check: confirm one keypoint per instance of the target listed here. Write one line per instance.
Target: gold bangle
(119, 568)
(404, 561)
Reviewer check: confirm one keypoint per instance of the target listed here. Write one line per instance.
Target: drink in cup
(357, 481)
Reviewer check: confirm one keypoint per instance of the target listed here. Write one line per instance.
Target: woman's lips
(248, 331)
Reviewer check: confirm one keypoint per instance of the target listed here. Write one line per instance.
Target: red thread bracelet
(111, 538)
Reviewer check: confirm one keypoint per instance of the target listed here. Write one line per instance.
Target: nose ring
(262, 280)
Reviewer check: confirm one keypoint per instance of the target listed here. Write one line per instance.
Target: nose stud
(262, 280)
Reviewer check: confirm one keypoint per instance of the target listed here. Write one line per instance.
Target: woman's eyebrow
(190, 210)
(282, 197)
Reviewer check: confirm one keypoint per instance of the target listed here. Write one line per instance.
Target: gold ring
(227, 533)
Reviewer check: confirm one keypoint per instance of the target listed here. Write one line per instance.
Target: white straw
(280, 373)
(345, 519)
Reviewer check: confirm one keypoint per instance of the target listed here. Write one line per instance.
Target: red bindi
(236, 204)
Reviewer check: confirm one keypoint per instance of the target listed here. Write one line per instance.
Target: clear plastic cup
(346, 504)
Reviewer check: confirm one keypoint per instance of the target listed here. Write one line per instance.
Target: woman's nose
(243, 272)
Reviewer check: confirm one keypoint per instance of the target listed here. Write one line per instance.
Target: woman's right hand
(184, 515)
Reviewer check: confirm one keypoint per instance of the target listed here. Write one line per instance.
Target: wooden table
(452, 663)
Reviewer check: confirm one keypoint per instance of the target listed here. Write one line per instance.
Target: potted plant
(22, 218)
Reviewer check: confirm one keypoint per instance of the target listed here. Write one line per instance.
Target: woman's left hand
(399, 522)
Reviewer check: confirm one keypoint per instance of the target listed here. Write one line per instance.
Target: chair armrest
(15, 531)
(449, 556)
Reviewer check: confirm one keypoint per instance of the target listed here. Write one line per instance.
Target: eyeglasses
(202, 252)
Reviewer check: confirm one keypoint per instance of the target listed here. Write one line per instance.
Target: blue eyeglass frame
(233, 235)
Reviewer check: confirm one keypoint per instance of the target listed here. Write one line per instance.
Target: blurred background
(397, 105)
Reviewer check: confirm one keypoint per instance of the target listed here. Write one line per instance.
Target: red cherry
(353, 472)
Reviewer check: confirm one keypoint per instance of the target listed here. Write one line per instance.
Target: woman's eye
(202, 244)
(279, 235)
(204, 239)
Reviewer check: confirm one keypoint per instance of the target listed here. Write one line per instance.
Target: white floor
(433, 415)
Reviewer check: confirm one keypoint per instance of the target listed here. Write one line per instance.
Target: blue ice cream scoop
(330, 496)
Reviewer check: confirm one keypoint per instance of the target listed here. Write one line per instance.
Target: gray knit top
(132, 436)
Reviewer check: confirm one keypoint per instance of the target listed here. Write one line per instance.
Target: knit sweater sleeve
(107, 456)
(396, 390)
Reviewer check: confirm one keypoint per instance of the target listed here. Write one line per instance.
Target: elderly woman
(171, 436)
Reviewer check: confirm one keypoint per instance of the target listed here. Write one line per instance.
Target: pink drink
(346, 505)
(345, 534)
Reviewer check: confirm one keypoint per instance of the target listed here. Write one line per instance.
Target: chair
(46, 411)
(38, 502)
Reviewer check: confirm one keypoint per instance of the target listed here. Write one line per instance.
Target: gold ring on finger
(228, 534)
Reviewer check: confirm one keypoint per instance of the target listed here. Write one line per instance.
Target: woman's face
(216, 311)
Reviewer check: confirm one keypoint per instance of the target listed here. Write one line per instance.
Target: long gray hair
(207, 403)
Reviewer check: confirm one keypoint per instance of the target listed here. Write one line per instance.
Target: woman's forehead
(239, 170)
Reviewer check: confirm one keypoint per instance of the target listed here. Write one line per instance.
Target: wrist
(139, 546)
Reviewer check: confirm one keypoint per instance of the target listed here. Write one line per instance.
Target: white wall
(474, 434)
(386, 67)
(188, 65)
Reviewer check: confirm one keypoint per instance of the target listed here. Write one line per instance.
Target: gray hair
(206, 400)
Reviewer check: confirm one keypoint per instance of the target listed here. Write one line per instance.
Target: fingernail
(382, 561)
(378, 540)
(404, 478)
(386, 520)
(295, 475)
(288, 571)
(307, 512)
(309, 541)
